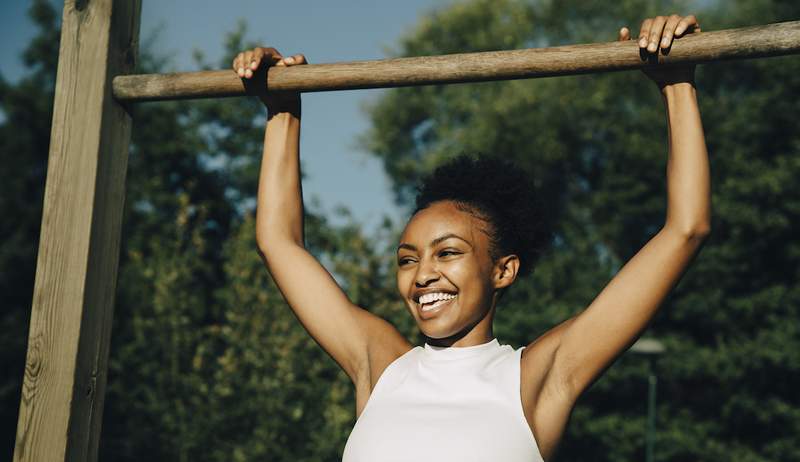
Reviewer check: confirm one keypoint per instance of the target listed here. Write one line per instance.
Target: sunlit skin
(459, 263)
(558, 366)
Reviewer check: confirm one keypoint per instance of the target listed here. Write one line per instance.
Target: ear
(505, 271)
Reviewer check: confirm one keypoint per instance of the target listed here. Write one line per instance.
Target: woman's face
(445, 274)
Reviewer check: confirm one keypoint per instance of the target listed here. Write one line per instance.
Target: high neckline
(447, 353)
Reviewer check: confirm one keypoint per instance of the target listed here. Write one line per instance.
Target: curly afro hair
(497, 192)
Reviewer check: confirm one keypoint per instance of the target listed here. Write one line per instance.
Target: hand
(658, 33)
(252, 65)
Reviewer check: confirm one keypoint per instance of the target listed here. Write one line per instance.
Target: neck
(475, 334)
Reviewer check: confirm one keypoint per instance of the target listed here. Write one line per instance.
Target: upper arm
(564, 361)
(622, 310)
(340, 327)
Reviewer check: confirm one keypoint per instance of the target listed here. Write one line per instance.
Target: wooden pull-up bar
(747, 42)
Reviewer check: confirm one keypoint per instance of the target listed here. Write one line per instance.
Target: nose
(426, 273)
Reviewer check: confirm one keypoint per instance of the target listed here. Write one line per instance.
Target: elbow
(697, 237)
(696, 232)
(262, 251)
(701, 232)
(266, 244)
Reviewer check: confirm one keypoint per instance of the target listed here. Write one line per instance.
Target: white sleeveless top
(446, 404)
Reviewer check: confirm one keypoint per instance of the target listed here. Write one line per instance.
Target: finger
(246, 62)
(240, 64)
(295, 59)
(645, 29)
(258, 55)
(655, 33)
(624, 34)
(237, 64)
(270, 56)
(248, 57)
(687, 23)
(669, 31)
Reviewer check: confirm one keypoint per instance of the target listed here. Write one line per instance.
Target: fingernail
(248, 73)
(665, 42)
(289, 60)
(643, 43)
(652, 46)
(253, 65)
(241, 72)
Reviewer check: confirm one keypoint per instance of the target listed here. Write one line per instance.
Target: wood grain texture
(702, 47)
(65, 372)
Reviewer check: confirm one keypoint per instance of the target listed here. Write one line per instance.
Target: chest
(415, 412)
(531, 381)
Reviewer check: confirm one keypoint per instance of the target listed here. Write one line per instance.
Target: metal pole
(650, 348)
(651, 411)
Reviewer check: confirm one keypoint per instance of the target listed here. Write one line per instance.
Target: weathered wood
(702, 47)
(65, 371)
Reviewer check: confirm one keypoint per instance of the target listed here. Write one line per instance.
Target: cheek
(403, 282)
(470, 278)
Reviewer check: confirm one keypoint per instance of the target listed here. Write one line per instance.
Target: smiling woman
(476, 228)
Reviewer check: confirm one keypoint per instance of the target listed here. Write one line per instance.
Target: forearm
(279, 210)
(688, 178)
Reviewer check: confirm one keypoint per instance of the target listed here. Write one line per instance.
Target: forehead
(439, 219)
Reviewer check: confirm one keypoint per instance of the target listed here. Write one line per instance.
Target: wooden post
(703, 47)
(65, 371)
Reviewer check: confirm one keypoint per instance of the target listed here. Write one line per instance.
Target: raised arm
(341, 328)
(588, 343)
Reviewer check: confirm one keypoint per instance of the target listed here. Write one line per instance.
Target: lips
(430, 310)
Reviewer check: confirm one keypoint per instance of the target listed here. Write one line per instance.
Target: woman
(463, 396)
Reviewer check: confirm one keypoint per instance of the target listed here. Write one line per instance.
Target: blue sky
(325, 31)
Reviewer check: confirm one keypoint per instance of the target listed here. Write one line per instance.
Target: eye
(448, 252)
(404, 261)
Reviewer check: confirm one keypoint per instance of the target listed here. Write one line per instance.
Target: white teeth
(434, 296)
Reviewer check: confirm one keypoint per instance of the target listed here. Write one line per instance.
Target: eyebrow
(438, 240)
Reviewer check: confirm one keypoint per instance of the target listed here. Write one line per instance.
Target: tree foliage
(595, 148)
(207, 361)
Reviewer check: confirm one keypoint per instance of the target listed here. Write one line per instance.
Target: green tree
(595, 149)
(208, 362)
(26, 108)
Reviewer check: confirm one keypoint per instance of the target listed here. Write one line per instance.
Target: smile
(431, 304)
